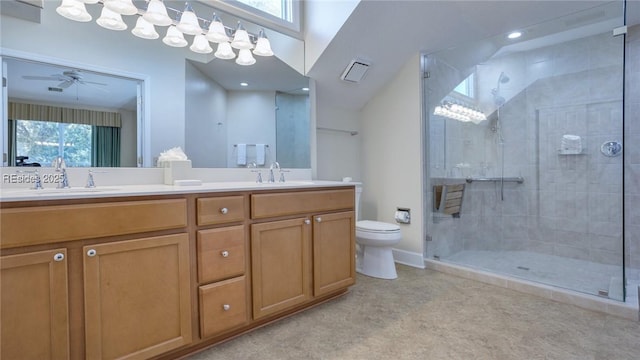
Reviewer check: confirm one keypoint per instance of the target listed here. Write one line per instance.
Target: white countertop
(22, 194)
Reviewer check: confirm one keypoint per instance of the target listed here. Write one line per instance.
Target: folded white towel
(260, 154)
(242, 154)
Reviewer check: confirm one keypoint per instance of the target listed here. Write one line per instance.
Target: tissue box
(175, 170)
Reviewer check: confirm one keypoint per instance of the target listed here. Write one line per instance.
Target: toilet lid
(369, 225)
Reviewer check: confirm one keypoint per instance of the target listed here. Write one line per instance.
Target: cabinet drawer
(223, 306)
(220, 210)
(57, 223)
(293, 203)
(221, 253)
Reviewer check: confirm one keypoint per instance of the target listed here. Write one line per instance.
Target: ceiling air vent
(355, 71)
(55, 89)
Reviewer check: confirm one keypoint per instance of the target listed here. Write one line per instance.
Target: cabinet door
(137, 298)
(34, 306)
(333, 252)
(281, 265)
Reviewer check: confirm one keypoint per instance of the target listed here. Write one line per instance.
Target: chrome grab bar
(518, 179)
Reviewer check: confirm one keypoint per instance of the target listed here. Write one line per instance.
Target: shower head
(503, 78)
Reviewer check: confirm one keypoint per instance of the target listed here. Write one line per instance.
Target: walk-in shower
(533, 208)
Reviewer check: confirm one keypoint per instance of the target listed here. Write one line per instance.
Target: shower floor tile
(578, 275)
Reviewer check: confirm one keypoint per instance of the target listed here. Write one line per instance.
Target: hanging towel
(260, 154)
(242, 154)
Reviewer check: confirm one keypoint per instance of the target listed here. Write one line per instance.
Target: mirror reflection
(152, 94)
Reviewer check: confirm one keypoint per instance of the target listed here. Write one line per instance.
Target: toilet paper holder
(403, 215)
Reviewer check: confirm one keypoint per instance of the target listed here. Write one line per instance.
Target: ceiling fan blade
(93, 86)
(52, 78)
(92, 82)
(65, 84)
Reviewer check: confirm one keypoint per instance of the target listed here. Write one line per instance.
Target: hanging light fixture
(224, 51)
(186, 22)
(145, 29)
(156, 13)
(122, 7)
(459, 112)
(241, 38)
(217, 32)
(200, 45)
(189, 22)
(174, 37)
(73, 10)
(263, 46)
(245, 58)
(111, 20)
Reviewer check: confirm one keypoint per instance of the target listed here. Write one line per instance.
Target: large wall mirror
(173, 98)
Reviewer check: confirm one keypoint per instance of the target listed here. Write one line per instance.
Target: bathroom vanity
(158, 272)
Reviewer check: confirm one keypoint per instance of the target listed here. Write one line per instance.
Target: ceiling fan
(68, 78)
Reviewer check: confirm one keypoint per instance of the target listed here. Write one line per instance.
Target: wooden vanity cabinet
(137, 297)
(281, 265)
(133, 300)
(334, 257)
(222, 252)
(34, 306)
(297, 260)
(127, 278)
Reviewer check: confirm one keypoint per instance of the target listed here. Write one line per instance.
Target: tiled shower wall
(569, 205)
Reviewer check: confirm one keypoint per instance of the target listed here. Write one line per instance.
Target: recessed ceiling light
(514, 35)
(305, 89)
(244, 84)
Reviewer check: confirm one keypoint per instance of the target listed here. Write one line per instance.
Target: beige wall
(390, 128)
(338, 153)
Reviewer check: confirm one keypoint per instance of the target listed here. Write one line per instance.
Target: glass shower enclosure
(525, 157)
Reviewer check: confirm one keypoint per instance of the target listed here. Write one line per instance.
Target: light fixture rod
(227, 29)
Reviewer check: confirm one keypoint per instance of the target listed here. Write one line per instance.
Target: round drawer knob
(318, 219)
(307, 221)
(224, 210)
(91, 252)
(226, 307)
(224, 253)
(58, 257)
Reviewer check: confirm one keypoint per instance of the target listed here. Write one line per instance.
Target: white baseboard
(409, 258)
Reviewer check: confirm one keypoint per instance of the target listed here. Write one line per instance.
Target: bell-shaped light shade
(157, 13)
(111, 20)
(122, 7)
(217, 33)
(145, 29)
(245, 57)
(90, 1)
(200, 45)
(189, 22)
(241, 38)
(174, 38)
(73, 10)
(224, 51)
(263, 46)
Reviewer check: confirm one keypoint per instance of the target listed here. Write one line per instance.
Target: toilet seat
(377, 233)
(376, 226)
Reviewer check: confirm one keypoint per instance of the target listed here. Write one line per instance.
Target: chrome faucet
(253, 165)
(60, 166)
(276, 165)
(90, 182)
(37, 180)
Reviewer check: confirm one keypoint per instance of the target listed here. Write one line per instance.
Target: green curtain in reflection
(105, 146)
(11, 138)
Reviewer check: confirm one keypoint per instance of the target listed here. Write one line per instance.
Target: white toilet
(375, 240)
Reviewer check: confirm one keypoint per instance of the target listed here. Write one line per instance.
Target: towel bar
(518, 179)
